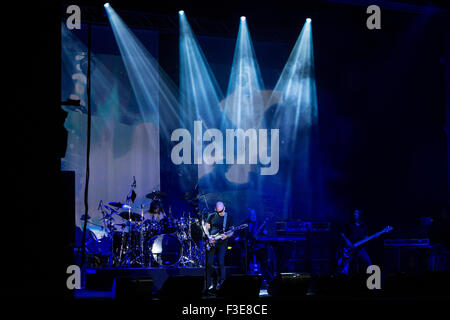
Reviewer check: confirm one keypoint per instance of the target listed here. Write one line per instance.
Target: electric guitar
(211, 242)
(345, 255)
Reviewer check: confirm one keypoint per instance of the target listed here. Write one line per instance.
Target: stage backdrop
(124, 142)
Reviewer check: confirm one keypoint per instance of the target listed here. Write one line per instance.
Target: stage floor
(102, 279)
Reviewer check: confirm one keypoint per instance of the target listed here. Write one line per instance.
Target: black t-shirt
(356, 233)
(216, 222)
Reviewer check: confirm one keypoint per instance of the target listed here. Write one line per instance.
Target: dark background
(382, 97)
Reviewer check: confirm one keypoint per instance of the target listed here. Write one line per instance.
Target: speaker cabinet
(129, 288)
(290, 285)
(241, 286)
(182, 287)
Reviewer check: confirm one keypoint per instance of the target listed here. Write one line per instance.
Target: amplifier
(300, 227)
(290, 227)
(415, 242)
(319, 226)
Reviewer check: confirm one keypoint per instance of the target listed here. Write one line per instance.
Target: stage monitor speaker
(342, 285)
(429, 284)
(241, 286)
(130, 288)
(182, 287)
(437, 283)
(290, 285)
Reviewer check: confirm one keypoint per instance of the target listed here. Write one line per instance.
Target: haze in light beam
(244, 105)
(296, 88)
(198, 86)
(154, 91)
(296, 115)
(199, 91)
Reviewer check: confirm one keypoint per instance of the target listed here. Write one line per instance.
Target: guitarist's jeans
(362, 260)
(218, 250)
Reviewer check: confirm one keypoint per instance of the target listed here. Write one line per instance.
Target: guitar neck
(217, 236)
(369, 238)
(233, 229)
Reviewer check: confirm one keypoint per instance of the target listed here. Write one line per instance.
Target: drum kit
(138, 239)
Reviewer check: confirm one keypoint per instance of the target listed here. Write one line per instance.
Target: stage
(103, 279)
(292, 154)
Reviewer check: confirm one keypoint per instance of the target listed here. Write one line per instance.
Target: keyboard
(279, 239)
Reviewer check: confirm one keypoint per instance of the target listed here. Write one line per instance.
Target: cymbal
(130, 215)
(155, 194)
(119, 205)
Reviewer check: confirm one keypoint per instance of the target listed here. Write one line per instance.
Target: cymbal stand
(107, 223)
(122, 243)
(130, 254)
(140, 259)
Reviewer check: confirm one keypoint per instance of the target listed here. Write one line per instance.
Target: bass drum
(165, 250)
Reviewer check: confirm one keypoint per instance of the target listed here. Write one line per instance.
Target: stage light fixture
(181, 12)
(308, 20)
(243, 18)
(106, 5)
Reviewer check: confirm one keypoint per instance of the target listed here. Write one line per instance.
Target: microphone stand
(129, 201)
(88, 148)
(203, 222)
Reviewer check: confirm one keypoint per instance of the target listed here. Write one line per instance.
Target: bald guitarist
(217, 222)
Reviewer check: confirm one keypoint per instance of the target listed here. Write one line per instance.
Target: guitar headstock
(388, 229)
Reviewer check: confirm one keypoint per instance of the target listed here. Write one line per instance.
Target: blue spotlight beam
(153, 89)
(244, 105)
(199, 90)
(296, 88)
(296, 115)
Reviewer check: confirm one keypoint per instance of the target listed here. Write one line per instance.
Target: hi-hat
(155, 194)
(130, 215)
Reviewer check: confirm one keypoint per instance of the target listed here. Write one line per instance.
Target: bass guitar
(345, 255)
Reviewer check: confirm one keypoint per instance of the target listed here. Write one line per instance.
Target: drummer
(155, 212)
